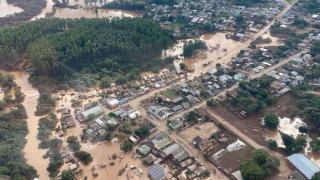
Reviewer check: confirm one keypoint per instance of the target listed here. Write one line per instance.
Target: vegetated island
(81, 52)
(30, 8)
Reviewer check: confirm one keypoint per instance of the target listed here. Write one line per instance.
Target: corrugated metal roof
(94, 110)
(303, 164)
(167, 151)
(157, 172)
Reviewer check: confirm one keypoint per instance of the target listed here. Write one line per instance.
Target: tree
(239, 19)
(105, 82)
(303, 130)
(127, 146)
(242, 51)
(55, 143)
(95, 103)
(316, 176)
(271, 121)
(212, 102)
(84, 157)
(293, 145)
(260, 156)
(67, 175)
(250, 170)
(121, 79)
(315, 145)
(121, 136)
(271, 164)
(108, 136)
(182, 66)
(160, 100)
(73, 143)
(272, 144)
(142, 131)
(111, 114)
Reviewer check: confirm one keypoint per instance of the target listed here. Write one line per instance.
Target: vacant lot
(251, 125)
(203, 130)
(170, 93)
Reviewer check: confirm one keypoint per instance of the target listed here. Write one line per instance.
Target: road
(155, 16)
(284, 169)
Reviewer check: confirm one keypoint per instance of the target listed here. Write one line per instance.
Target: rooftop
(303, 164)
(157, 172)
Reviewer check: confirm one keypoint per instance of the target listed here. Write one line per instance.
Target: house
(150, 158)
(112, 103)
(85, 116)
(134, 114)
(134, 174)
(159, 112)
(156, 172)
(112, 121)
(175, 124)
(180, 155)
(101, 123)
(192, 100)
(177, 99)
(169, 150)
(303, 164)
(212, 71)
(143, 150)
(177, 108)
(223, 78)
(134, 139)
(185, 105)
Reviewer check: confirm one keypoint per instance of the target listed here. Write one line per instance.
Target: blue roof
(304, 165)
(157, 172)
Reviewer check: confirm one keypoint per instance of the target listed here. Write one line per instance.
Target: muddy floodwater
(45, 10)
(7, 9)
(274, 40)
(90, 13)
(32, 153)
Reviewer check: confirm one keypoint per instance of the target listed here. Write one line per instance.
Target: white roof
(113, 102)
(101, 123)
(73, 166)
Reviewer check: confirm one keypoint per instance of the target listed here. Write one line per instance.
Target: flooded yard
(203, 130)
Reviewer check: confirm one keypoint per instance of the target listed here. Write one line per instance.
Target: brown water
(45, 10)
(6, 9)
(220, 50)
(82, 3)
(90, 13)
(32, 153)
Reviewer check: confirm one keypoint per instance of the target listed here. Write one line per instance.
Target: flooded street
(6, 9)
(32, 153)
(90, 13)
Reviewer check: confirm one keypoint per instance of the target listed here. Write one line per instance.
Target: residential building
(156, 172)
(176, 124)
(95, 111)
(303, 164)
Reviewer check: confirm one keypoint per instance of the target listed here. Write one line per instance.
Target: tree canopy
(271, 121)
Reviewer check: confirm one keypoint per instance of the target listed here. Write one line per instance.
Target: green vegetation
(84, 157)
(263, 165)
(316, 176)
(67, 175)
(293, 145)
(271, 121)
(56, 161)
(73, 143)
(13, 129)
(46, 126)
(119, 49)
(212, 102)
(315, 145)
(248, 3)
(127, 146)
(272, 144)
(142, 131)
(45, 104)
(190, 48)
(30, 9)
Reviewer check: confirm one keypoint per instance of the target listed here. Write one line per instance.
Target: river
(32, 153)
(7, 9)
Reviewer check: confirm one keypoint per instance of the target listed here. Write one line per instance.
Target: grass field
(170, 93)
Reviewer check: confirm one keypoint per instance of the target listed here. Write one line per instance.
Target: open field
(203, 130)
(170, 93)
(251, 125)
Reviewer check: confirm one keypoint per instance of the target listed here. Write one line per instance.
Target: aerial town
(160, 90)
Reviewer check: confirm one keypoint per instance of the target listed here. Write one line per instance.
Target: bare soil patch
(203, 130)
(251, 125)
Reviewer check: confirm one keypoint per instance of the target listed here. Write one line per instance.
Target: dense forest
(61, 47)
(30, 9)
(13, 129)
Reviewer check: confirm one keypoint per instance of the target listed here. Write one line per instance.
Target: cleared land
(203, 130)
(170, 93)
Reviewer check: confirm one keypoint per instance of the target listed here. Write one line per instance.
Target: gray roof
(161, 135)
(157, 172)
(177, 99)
(92, 111)
(177, 108)
(167, 151)
(303, 164)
